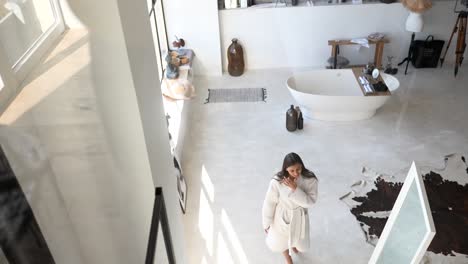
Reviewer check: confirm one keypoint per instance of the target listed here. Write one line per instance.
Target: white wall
(69, 17)
(197, 23)
(124, 71)
(297, 36)
(294, 36)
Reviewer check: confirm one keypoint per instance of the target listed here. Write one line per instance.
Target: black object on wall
(21, 239)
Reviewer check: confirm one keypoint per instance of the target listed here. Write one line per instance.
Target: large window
(28, 28)
(29, 20)
(23, 25)
(158, 29)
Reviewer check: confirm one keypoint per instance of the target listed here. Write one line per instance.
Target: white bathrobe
(285, 212)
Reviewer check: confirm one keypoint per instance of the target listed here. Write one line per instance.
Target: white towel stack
(366, 85)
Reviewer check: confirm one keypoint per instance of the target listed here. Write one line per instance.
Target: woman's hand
(290, 183)
(266, 230)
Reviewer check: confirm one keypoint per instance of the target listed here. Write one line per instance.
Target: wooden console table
(379, 45)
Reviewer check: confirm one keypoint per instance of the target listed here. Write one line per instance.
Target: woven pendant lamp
(417, 6)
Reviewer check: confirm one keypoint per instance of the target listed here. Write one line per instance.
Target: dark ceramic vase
(235, 58)
(291, 119)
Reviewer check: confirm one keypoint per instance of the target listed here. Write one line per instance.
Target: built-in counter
(302, 3)
(297, 37)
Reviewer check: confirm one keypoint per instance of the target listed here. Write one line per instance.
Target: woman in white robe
(285, 214)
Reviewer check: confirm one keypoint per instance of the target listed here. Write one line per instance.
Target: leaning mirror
(410, 227)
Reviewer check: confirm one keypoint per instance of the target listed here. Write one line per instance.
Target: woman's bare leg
(288, 258)
(295, 250)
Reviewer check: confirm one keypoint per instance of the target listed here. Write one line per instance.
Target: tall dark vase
(291, 119)
(235, 55)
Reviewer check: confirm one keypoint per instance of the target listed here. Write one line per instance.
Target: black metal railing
(159, 217)
(157, 6)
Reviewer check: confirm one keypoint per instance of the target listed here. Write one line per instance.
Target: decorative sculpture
(172, 70)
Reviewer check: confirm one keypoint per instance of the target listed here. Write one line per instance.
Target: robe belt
(296, 227)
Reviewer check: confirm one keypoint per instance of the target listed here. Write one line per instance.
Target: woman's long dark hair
(290, 160)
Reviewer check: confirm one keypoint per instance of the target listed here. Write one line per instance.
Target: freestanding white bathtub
(335, 95)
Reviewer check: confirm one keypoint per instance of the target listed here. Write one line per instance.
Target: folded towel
(365, 85)
(361, 41)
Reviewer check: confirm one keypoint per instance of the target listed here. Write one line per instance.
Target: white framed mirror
(410, 228)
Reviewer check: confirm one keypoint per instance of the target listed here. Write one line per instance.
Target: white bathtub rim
(392, 81)
(339, 116)
(321, 95)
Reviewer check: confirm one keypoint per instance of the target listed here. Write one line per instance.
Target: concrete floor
(235, 148)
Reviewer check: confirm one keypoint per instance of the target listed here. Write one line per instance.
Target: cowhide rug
(447, 191)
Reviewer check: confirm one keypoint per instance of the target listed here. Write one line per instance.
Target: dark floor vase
(235, 55)
(291, 119)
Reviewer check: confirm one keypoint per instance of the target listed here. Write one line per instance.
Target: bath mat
(371, 200)
(236, 95)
